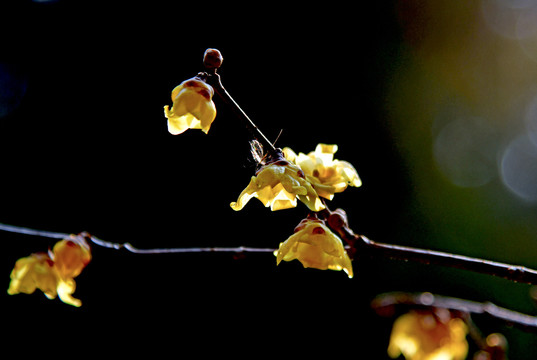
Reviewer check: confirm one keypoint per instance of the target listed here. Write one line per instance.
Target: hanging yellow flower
(315, 246)
(192, 108)
(34, 272)
(326, 174)
(52, 273)
(278, 185)
(424, 336)
(71, 256)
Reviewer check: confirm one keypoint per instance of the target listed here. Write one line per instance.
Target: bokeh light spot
(519, 168)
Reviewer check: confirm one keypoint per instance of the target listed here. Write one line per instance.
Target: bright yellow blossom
(193, 107)
(315, 246)
(278, 185)
(34, 271)
(326, 174)
(70, 257)
(424, 336)
(52, 273)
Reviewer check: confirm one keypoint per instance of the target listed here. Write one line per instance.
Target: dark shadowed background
(434, 103)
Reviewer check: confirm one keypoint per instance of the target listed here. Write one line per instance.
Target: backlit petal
(65, 290)
(315, 246)
(70, 258)
(192, 108)
(34, 272)
(279, 186)
(326, 174)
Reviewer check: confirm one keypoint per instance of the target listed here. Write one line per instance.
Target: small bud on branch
(212, 59)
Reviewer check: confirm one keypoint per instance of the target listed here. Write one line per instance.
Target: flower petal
(326, 174)
(422, 335)
(192, 108)
(70, 258)
(34, 272)
(177, 124)
(315, 246)
(282, 199)
(245, 195)
(205, 113)
(65, 289)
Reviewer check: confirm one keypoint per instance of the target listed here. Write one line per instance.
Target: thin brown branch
(361, 246)
(384, 301)
(515, 273)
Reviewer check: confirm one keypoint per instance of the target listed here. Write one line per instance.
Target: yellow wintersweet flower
(34, 272)
(278, 185)
(315, 246)
(70, 257)
(326, 174)
(52, 273)
(424, 336)
(193, 107)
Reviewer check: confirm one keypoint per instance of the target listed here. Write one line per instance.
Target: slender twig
(215, 81)
(238, 249)
(127, 246)
(427, 299)
(33, 232)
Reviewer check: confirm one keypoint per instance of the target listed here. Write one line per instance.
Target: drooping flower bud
(53, 272)
(315, 246)
(212, 59)
(427, 336)
(192, 108)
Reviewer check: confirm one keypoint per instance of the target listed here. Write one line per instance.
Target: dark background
(85, 147)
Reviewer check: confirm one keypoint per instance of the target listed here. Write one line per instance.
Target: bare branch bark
(515, 273)
(426, 299)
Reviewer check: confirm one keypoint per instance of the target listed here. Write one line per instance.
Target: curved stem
(214, 80)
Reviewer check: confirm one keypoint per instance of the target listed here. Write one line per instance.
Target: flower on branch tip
(193, 107)
(326, 174)
(278, 185)
(428, 336)
(315, 246)
(53, 273)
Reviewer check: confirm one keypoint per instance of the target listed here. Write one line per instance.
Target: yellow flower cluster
(326, 174)
(306, 177)
(278, 185)
(193, 107)
(53, 273)
(315, 246)
(425, 336)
